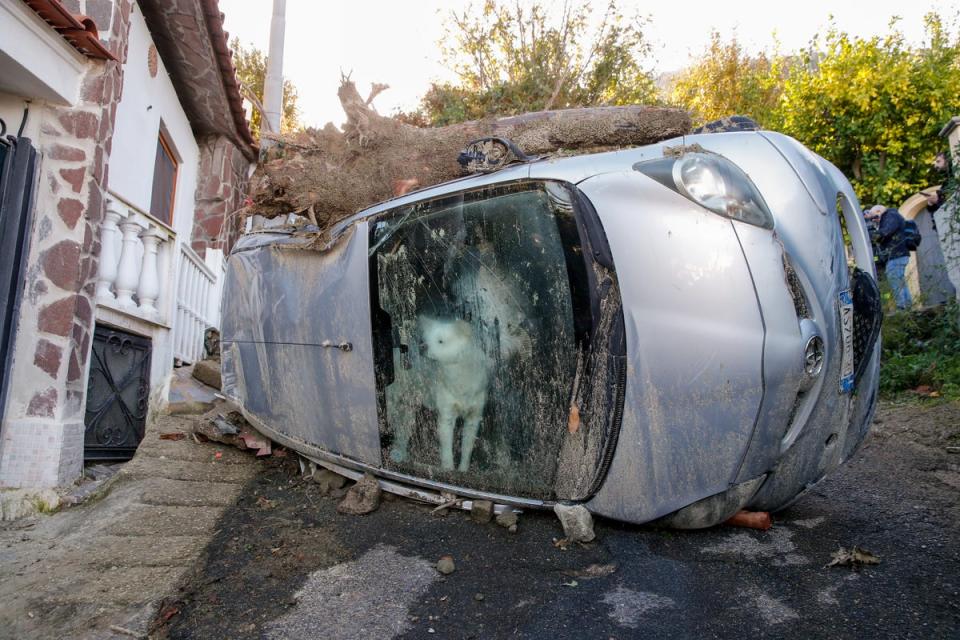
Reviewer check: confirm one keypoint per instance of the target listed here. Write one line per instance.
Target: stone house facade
(143, 152)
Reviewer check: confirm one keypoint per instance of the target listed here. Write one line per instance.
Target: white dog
(496, 300)
(458, 385)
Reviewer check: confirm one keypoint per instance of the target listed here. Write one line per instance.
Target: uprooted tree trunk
(334, 174)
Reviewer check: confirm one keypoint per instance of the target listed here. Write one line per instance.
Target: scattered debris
(328, 481)
(852, 558)
(96, 478)
(572, 583)
(512, 528)
(445, 565)
(953, 449)
(481, 511)
(751, 520)
(362, 498)
(577, 522)
(253, 440)
(265, 503)
(123, 631)
(233, 430)
(592, 571)
(168, 612)
(507, 519)
(441, 509)
(175, 435)
(478, 597)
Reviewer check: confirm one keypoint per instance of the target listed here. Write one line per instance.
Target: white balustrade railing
(196, 287)
(135, 259)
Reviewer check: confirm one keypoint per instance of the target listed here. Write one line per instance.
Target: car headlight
(713, 182)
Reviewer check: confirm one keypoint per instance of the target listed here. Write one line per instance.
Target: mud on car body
(675, 332)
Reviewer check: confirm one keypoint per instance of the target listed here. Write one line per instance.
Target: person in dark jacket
(891, 250)
(943, 166)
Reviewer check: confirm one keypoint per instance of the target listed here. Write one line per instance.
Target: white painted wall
(11, 111)
(146, 102)
(36, 62)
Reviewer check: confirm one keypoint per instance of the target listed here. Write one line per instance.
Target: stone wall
(41, 443)
(221, 189)
(946, 216)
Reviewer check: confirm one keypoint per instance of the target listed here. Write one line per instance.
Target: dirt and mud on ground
(285, 564)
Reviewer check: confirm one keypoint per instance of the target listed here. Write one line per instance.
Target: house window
(164, 181)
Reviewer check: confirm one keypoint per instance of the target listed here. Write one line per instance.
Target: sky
(395, 41)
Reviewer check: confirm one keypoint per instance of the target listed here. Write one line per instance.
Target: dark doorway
(118, 392)
(18, 177)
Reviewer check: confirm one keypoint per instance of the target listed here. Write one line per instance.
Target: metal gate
(18, 177)
(118, 391)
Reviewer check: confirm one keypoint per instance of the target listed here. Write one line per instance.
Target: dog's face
(445, 340)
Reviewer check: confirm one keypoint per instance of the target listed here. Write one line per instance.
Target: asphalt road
(285, 564)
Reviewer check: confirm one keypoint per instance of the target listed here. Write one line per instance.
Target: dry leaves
(853, 558)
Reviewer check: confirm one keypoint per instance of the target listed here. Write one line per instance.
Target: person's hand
(932, 200)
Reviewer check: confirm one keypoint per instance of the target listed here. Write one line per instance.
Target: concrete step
(120, 586)
(184, 450)
(146, 551)
(150, 520)
(210, 471)
(184, 493)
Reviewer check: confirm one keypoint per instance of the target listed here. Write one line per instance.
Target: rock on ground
(577, 522)
(362, 498)
(208, 372)
(507, 519)
(481, 511)
(445, 565)
(328, 481)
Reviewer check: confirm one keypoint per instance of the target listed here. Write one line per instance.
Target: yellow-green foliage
(727, 81)
(251, 67)
(872, 106)
(513, 58)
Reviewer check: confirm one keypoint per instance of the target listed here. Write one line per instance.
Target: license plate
(845, 303)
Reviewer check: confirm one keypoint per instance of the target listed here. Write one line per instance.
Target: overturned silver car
(673, 332)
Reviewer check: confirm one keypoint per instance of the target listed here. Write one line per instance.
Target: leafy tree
(726, 80)
(874, 107)
(511, 59)
(251, 67)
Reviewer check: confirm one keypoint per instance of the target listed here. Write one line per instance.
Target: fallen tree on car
(329, 174)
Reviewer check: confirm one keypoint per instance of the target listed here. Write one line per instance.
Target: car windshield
(475, 320)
